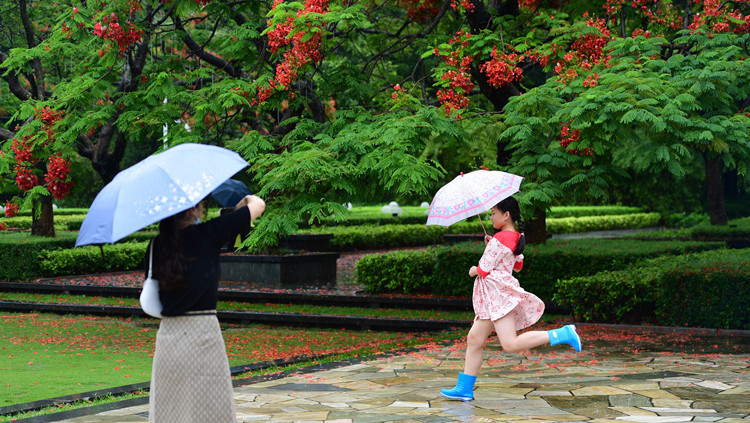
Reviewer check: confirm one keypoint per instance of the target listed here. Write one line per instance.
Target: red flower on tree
(303, 47)
(110, 29)
(568, 136)
(501, 70)
(457, 76)
(11, 209)
(57, 178)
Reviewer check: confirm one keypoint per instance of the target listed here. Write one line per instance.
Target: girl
(500, 304)
(191, 381)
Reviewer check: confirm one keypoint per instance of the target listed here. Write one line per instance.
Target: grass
(239, 306)
(50, 355)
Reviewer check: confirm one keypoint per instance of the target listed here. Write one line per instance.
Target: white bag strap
(150, 258)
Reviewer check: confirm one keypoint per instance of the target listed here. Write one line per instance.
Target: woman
(190, 379)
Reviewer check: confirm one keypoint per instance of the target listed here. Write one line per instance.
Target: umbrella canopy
(230, 193)
(155, 188)
(470, 194)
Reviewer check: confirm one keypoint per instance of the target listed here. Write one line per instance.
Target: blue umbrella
(230, 193)
(159, 186)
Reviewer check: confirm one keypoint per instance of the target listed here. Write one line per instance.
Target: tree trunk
(45, 224)
(717, 209)
(536, 228)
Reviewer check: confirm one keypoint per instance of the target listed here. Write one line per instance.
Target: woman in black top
(190, 379)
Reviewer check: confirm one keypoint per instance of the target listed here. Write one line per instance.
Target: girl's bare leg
(478, 334)
(511, 341)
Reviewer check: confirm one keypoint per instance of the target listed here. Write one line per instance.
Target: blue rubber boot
(565, 335)
(464, 389)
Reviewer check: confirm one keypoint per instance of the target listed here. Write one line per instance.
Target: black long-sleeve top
(201, 245)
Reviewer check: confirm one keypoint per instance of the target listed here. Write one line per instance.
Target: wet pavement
(623, 375)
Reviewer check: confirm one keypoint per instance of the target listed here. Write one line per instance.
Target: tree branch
(36, 63)
(12, 79)
(199, 52)
(6, 134)
(409, 38)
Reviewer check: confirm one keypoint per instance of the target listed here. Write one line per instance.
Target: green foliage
(652, 110)
(705, 289)
(19, 260)
(568, 225)
(446, 267)
(91, 259)
(362, 155)
(374, 236)
(579, 211)
(737, 228)
(27, 257)
(61, 222)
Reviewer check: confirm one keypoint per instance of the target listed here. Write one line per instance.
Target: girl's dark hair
(171, 265)
(511, 206)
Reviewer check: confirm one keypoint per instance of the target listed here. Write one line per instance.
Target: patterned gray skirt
(190, 379)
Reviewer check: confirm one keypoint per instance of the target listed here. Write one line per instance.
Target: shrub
(543, 264)
(707, 289)
(737, 228)
(369, 237)
(579, 211)
(414, 215)
(20, 252)
(92, 259)
(24, 222)
(568, 225)
(25, 257)
(416, 266)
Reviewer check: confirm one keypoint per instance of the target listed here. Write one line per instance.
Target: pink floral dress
(496, 291)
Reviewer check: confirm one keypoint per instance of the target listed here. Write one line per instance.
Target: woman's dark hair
(171, 265)
(511, 206)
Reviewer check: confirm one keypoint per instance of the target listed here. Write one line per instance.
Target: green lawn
(47, 355)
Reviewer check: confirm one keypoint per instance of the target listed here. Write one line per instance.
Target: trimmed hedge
(92, 259)
(59, 212)
(20, 252)
(371, 237)
(444, 270)
(580, 211)
(706, 289)
(62, 222)
(569, 225)
(737, 228)
(23, 255)
(415, 215)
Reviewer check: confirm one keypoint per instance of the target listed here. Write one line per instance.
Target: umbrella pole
(480, 221)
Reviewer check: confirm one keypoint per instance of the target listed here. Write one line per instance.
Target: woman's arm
(255, 205)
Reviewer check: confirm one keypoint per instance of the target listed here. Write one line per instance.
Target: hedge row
(25, 257)
(444, 270)
(370, 237)
(62, 223)
(707, 289)
(737, 228)
(580, 211)
(92, 259)
(21, 265)
(413, 215)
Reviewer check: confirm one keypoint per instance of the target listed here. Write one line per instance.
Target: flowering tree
(670, 87)
(335, 99)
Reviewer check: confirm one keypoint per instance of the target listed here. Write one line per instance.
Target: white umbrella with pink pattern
(470, 194)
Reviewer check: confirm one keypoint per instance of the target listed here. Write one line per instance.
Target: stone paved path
(622, 376)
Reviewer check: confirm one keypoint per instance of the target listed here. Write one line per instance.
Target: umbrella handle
(480, 221)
